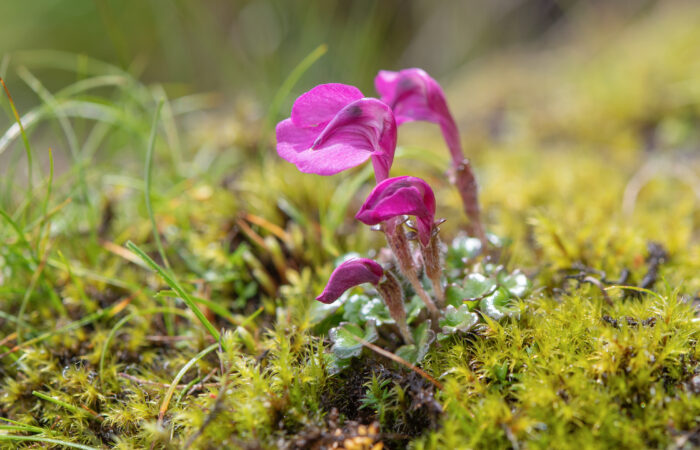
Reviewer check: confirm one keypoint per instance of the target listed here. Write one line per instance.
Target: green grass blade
(149, 169)
(27, 147)
(287, 87)
(174, 285)
(45, 440)
(54, 108)
(178, 377)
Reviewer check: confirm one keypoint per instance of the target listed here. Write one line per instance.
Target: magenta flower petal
(401, 196)
(319, 105)
(292, 140)
(331, 130)
(295, 144)
(413, 95)
(363, 125)
(350, 274)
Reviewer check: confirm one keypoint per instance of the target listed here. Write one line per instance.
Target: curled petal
(349, 274)
(413, 95)
(366, 124)
(294, 144)
(320, 104)
(362, 129)
(401, 196)
(292, 140)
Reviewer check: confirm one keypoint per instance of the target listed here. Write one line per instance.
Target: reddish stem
(398, 242)
(433, 268)
(464, 179)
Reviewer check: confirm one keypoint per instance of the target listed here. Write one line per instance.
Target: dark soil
(417, 413)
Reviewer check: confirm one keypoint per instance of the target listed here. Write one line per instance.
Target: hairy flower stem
(398, 242)
(431, 261)
(391, 292)
(463, 178)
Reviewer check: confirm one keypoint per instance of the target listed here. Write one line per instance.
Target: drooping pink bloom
(333, 127)
(415, 95)
(350, 274)
(401, 196)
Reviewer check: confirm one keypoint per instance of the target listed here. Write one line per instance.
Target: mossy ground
(583, 161)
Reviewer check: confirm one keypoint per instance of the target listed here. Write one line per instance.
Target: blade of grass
(68, 61)
(20, 235)
(215, 307)
(94, 276)
(285, 88)
(45, 205)
(27, 295)
(170, 129)
(75, 280)
(45, 440)
(107, 312)
(49, 214)
(91, 110)
(67, 406)
(15, 319)
(27, 147)
(635, 288)
(174, 285)
(342, 196)
(187, 388)
(168, 319)
(53, 106)
(178, 377)
(149, 169)
(29, 428)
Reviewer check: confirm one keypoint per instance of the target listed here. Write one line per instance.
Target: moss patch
(581, 172)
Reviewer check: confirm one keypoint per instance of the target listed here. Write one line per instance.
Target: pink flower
(401, 196)
(350, 274)
(414, 95)
(333, 127)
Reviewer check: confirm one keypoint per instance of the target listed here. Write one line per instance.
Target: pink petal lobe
(332, 130)
(331, 159)
(322, 103)
(293, 140)
(413, 95)
(400, 196)
(350, 274)
(366, 124)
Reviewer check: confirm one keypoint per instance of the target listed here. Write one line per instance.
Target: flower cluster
(334, 127)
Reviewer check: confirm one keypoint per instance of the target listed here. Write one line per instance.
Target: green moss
(567, 181)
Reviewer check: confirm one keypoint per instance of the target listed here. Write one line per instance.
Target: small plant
(332, 128)
(379, 397)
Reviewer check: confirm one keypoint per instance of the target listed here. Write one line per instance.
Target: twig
(203, 383)
(8, 338)
(269, 226)
(397, 359)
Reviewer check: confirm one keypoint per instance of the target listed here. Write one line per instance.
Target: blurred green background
(614, 77)
(249, 47)
(246, 49)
